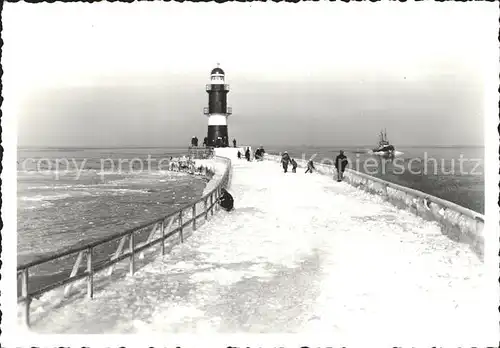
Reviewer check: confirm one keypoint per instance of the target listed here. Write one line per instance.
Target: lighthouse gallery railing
(128, 246)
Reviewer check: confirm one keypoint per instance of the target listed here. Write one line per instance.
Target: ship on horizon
(384, 147)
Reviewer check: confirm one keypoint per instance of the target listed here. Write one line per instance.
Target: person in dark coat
(196, 141)
(340, 164)
(310, 166)
(260, 153)
(257, 154)
(226, 201)
(205, 141)
(285, 159)
(193, 141)
(294, 165)
(247, 154)
(239, 155)
(234, 142)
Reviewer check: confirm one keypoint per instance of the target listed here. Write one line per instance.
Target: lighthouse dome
(217, 71)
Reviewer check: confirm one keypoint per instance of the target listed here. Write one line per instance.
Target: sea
(68, 197)
(453, 173)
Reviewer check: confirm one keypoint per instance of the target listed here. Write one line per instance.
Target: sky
(319, 74)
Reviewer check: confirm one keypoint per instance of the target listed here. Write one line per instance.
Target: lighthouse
(217, 110)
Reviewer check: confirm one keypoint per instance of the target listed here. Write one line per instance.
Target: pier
(301, 253)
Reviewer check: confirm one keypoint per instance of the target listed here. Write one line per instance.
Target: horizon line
(271, 145)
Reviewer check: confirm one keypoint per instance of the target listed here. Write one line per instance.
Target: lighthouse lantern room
(217, 110)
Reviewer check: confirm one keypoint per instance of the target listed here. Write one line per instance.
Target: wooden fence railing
(135, 241)
(457, 222)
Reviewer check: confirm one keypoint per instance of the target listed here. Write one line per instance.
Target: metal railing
(138, 239)
(229, 110)
(200, 152)
(209, 87)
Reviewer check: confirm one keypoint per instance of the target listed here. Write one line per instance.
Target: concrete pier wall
(458, 223)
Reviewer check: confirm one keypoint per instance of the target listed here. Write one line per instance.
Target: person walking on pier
(310, 166)
(285, 160)
(259, 155)
(226, 201)
(247, 154)
(196, 141)
(234, 142)
(294, 165)
(239, 155)
(193, 141)
(340, 165)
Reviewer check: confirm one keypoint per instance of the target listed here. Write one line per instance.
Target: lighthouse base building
(217, 110)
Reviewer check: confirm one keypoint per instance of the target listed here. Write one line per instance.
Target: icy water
(90, 196)
(455, 174)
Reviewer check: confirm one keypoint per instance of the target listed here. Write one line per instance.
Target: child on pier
(310, 166)
(294, 165)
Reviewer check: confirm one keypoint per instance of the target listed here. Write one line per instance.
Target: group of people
(340, 164)
(286, 160)
(226, 201)
(219, 142)
(194, 141)
(258, 155)
(186, 164)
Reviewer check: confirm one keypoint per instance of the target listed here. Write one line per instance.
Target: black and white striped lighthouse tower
(217, 110)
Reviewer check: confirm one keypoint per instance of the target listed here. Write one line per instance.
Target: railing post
(90, 271)
(27, 299)
(413, 206)
(217, 197)
(180, 227)
(117, 254)
(74, 271)
(132, 253)
(150, 238)
(162, 227)
(212, 203)
(386, 186)
(194, 217)
(205, 207)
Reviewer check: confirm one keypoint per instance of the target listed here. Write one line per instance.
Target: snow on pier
(300, 253)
